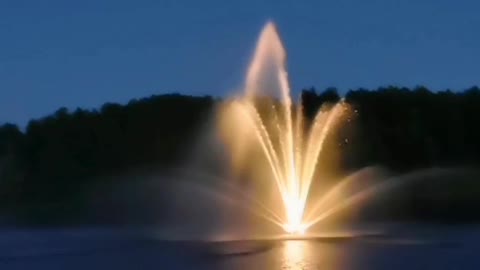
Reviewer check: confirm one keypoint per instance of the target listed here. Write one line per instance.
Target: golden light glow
(295, 253)
(265, 122)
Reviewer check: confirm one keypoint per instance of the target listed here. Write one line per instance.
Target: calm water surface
(402, 247)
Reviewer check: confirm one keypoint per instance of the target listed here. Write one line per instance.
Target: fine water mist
(261, 168)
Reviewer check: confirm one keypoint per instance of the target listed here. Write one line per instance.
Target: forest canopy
(399, 128)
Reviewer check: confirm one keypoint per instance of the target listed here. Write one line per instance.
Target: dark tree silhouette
(57, 157)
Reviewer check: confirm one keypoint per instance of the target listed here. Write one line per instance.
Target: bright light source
(298, 228)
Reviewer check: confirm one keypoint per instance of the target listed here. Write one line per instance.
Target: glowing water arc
(290, 148)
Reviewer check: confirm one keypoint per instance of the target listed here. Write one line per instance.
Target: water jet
(265, 122)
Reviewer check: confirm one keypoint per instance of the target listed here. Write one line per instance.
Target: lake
(399, 246)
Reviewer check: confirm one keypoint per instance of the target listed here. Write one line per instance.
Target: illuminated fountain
(278, 159)
(270, 139)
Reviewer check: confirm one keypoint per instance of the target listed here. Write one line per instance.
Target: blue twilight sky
(83, 53)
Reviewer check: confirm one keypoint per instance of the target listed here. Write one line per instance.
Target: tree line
(55, 156)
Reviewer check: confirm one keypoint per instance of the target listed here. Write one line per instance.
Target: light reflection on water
(295, 255)
(309, 255)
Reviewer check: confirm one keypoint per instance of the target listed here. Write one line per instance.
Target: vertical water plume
(291, 150)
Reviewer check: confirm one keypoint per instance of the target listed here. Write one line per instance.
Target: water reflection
(295, 255)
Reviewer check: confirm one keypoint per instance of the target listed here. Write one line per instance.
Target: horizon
(23, 126)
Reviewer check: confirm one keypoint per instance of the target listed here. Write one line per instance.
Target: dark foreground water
(398, 247)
